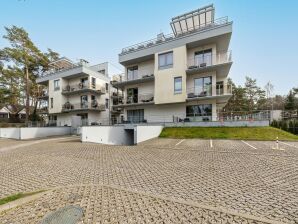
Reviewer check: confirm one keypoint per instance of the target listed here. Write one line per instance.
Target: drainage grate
(66, 215)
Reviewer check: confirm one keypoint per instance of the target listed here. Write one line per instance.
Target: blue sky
(264, 41)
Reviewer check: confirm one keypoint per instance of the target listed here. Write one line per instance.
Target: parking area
(170, 180)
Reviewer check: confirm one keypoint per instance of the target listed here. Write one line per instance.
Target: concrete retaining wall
(31, 133)
(111, 135)
(147, 132)
(220, 124)
(10, 133)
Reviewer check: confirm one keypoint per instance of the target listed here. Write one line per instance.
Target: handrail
(220, 90)
(171, 37)
(94, 105)
(125, 78)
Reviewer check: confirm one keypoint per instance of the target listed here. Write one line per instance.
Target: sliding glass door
(203, 86)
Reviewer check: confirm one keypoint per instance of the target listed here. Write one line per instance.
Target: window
(203, 110)
(132, 73)
(219, 88)
(107, 86)
(135, 116)
(165, 60)
(52, 103)
(203, 86)
(107, 103)
(203, 58)
(56, 85)
(93, 82)
(132, 95)
(84, 101)
(177, 85)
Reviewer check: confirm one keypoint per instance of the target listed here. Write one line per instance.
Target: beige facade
(198, 60)
(78, 90)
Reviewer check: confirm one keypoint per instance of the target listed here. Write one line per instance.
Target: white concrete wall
(31, 133)
(10, 133)
(147, 132)
(111, 135)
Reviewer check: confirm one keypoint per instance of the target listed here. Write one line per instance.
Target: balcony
(223, 92)
(43, 110)
(140, 99)
(220, 62)
(93, 106)
(82, 88)
(43, 95)
(122, 80)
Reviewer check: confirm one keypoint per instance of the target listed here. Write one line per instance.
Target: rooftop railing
(171, 37)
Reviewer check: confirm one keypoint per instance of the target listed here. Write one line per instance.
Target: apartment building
(75, 90)
(177, 77)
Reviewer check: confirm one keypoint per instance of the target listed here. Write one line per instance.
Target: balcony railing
(42, 110)
(125, 78)
(81, 87)
(171, 37)
(203, 61)
(43, 94)
(67, 107)
(206, 91)
(136, 99)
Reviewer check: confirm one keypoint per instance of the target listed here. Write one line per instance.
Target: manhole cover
(66, 215)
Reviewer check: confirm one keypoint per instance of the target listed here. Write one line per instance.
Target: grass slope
(16, 197)
(249, 133)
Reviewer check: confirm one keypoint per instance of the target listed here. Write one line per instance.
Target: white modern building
(75, 90)
(177, 77)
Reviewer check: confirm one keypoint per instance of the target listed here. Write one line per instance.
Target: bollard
(277, 145)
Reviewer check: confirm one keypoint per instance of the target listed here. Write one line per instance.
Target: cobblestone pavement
(161, 179)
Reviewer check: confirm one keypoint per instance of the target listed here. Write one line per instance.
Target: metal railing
(43, 94)
(204, 61)
(42, 110)
(135, 99)
(53, 71)
(82, 86)
(136, 76)
(83, 106)
(171, 37)
(205, 91)
(244, 115)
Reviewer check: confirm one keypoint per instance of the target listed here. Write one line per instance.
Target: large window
(203, 86)
(132, 73)
(203, 110)
(135, 116)
(203, 58)
(165, 60)
(93, 82)
(56, 85)
(177, 85)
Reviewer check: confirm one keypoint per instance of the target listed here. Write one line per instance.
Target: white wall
(147, 132)
(10, 133)
(30, 133)
(111, 135)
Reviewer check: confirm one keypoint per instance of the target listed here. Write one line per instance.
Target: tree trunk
(27, 95)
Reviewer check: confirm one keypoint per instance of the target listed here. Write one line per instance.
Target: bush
(286, 125)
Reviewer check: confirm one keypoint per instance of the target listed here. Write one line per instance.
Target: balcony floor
(222, 70)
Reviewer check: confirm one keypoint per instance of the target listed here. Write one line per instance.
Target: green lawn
(16, 196)
(249, 133)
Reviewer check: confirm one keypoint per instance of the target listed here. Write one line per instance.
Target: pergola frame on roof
(176, 21)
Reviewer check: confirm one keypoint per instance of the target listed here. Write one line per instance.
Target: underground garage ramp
(120, 135)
